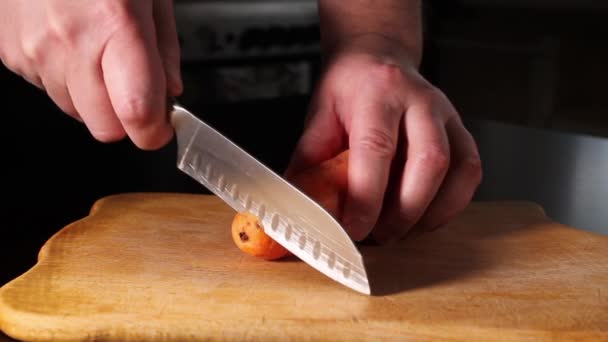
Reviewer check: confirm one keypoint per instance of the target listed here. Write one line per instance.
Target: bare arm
(396, 20)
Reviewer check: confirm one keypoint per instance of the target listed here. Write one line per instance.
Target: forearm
(399, 21)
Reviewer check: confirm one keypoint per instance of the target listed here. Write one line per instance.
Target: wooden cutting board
(164, 267)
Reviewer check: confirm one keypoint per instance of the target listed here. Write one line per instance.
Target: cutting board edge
(100, 202)
(270, 330)
(103, 201)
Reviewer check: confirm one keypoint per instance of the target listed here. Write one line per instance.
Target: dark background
(535, 64)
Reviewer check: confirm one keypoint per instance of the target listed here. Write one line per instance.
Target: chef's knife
(289, 216)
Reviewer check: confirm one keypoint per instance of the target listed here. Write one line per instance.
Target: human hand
(412, 163)
(108, 63)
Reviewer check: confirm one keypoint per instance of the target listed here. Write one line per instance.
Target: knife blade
(288, 215)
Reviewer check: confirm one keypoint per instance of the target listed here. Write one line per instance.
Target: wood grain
(163, 267)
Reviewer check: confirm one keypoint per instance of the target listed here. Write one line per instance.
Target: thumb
(323, 138)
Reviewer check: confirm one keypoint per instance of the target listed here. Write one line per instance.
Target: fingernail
(356, 219)
(358, 226)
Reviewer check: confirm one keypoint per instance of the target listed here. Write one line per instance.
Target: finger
(85, 84)
(136, 82)
(427, 161)
(54, 82)
(373, 138)
(26, 72)
(322, 139)
(33, 79)
(58, 92)
(462, 180)
(168, 44)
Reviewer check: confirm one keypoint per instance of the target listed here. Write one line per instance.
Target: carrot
(248, 234)
(325, 183)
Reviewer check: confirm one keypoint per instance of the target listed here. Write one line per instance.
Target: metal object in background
(240, 51)
(566, 173)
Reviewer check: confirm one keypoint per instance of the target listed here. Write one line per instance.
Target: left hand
(411, 161)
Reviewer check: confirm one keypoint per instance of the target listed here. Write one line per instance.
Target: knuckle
(101, 19)
(435, 157)
(36, 46)
(65, 31)
(429, 95)
(112, 10)
(387, 74)
(379, 142)
(134, 111)
(113, 14)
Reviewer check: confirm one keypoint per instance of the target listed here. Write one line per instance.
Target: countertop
(563, 172)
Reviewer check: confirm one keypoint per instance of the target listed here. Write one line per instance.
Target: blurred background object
(533, 63)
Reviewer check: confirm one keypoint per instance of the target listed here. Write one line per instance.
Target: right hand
(108, 63)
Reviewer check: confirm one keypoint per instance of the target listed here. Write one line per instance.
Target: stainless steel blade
(288, 215)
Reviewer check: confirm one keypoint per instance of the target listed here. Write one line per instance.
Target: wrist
(384, 47)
